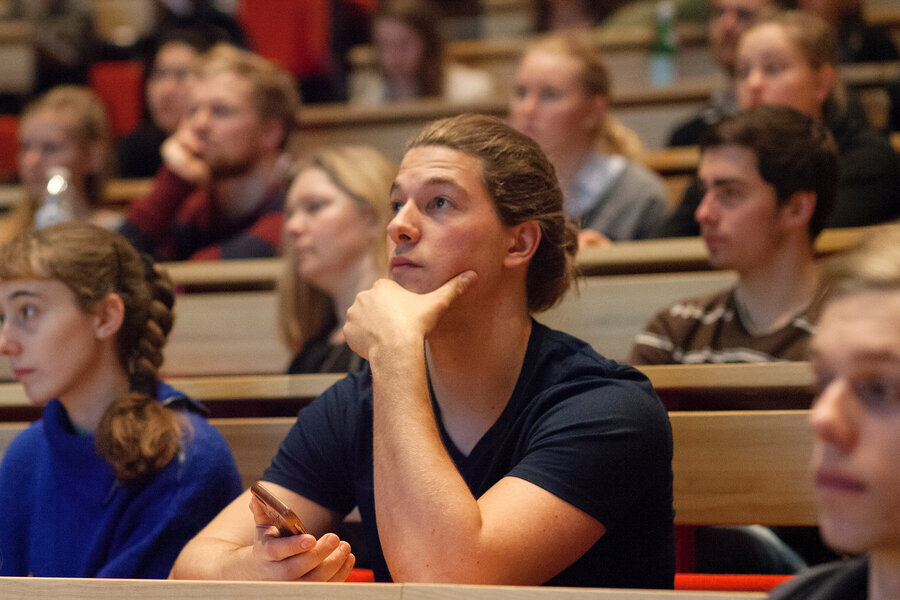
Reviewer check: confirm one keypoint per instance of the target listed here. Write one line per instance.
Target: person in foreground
(488, 448)
(856, 421)
(121, 470)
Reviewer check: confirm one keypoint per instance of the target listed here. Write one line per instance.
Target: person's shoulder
(688, 133)
(25, 446)
(839, 580)
(350, 396)
(646, 178)
(563, 358)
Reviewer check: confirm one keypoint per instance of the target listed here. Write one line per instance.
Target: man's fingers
(456, 286)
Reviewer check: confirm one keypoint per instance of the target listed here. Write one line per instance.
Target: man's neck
(771, 295)
(474, 358)
(239, 195)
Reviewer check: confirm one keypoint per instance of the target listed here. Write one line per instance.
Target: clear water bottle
(665, 45)
(57, 206)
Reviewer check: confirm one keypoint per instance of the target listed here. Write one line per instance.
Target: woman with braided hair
(121, 470)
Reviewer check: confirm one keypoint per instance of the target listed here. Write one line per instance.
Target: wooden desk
(32, 588)
(785, 385)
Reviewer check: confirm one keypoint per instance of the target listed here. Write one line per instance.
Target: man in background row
(221, 189)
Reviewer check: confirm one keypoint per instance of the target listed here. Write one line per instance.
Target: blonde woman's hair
(817, 41)
(365, 175)
(612, 136)
(84, 116)
(136, 435)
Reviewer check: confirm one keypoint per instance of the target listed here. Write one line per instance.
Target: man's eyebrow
(720, 181)
(436, 180)
(23, 293)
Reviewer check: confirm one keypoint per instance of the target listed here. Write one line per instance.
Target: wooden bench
(29, 588)
(730, 467)
(766, 386)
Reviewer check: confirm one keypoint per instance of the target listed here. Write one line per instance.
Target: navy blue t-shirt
(585, 428)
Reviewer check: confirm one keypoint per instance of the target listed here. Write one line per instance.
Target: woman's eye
(396, 205)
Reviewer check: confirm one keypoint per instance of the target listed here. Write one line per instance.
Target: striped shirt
(708, 329)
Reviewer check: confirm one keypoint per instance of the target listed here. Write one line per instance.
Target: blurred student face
(330, 232)
(730, 18)
(223, 118)
(856, 420)
(549, 103)
(45, 141)
(399, 50)
(771, 69)
(168, 84)
(51, 343)
(739, 216)
(445, 222)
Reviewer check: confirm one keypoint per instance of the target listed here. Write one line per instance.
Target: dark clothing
(137, 154)
(177, 221)
(65, 514)
(860, 42)
(840, 580)
(319, 355)
(867, 180)
(867, 176)
(586, 429)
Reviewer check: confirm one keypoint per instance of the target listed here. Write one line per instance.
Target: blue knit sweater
(62, 513)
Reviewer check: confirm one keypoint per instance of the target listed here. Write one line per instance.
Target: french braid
(136, 434)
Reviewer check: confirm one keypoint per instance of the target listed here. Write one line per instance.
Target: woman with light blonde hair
(67, 127)
(561, 100)
(336, 212)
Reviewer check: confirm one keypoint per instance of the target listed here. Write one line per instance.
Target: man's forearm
(428, 510)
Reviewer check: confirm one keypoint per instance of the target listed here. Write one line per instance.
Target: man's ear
(272, 133)
(799, 209)
(109, 313)
(524, 241)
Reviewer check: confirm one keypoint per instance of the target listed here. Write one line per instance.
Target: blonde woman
(67, 127)
(336, 212)
(561, 100)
